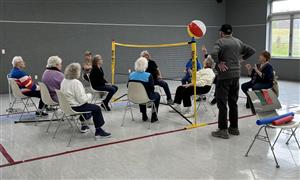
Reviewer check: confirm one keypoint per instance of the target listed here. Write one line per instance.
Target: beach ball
(196, 29)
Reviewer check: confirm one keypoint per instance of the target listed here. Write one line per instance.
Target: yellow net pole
(194, 74)
(113, 61)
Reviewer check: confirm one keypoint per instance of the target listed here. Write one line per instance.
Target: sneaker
(214, 101)
(220, 133)
(101, 133)
(170, 102)
(233, 131)
(41, 113)
(105, 107)
(144, 117)
(84, 128)
(154, 118)
(186, 110)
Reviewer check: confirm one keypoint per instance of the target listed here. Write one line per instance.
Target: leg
(232, 103)
(36, 94)
(222, 90)
(179, 94)
(111, 91)
(165, 86)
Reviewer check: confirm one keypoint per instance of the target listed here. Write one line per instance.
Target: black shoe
(233, 131)
(41, 113)
(145, 117)
(101, 133)
(84, 128)
(154, 118)
(214, 101)
(220, 133)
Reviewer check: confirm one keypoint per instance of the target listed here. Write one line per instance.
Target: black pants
(112, 89)
(96, 113)
(156, 97)
(36, 94)
(227, 91)
(184, 94)
(165, 86)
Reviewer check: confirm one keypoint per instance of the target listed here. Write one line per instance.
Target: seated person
(261, 74)
(87, 64)
(139, 75)
(204, 80)
(25, 83)
(77, 97)
(99, 83)
(53, 76)
(188, 71)
(156, 74)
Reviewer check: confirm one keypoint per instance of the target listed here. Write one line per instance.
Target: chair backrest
(267, 110)
(45, 95)
(137, 93)
(64, 104)
(16, 91)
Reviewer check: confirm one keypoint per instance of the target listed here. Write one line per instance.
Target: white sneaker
(188, 113)
(186, 110)
(177, 107)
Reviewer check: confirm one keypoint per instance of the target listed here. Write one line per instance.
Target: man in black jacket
(227, 52)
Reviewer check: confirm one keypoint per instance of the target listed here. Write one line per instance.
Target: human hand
(204, 50)
(248, 67)
(255, 67)
(222, 66)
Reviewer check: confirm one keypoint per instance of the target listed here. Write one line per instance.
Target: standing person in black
(154, 71)
(227, 53)
(98, 81)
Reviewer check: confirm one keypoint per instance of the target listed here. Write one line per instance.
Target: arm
(247, 51)
(80, 94)
(216, 52)
(151, 83)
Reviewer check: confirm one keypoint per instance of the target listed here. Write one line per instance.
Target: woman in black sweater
(98, 81)
(262, 76)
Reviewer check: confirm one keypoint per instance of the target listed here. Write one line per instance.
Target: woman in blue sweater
(262, 76)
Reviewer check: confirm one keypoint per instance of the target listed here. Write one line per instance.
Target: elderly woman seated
(139, 75)
(53, 76)
(78, 98)
(262, 76)
(99, 83)
(25, 83)
(204, 80)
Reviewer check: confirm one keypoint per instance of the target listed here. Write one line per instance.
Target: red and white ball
(196, 29)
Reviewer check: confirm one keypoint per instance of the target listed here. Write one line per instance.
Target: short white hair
(141, 64)
(16, 60)
(53, 61)
(72, 71)
(209, 61)
(143, 53)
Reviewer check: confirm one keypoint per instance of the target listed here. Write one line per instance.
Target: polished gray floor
(189, 154)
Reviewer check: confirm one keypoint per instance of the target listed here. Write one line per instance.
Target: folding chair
(97, 95)
(69, 114)
(47, 100)
(204, 102)
(158, 89)
(137, 95)
(270, 111)
(20, 97)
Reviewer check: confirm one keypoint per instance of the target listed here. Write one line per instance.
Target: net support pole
(113, 61)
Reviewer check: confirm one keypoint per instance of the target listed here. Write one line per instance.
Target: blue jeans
(95, 112)
(111, 89)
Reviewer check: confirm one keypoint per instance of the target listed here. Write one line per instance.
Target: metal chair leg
(272, 149)
(276, 138)
(293, 134)
(255, 137)
(47, 130)
(130, 106)
(60, 120)
(124, 115)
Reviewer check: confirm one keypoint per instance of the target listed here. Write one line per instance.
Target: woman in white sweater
(204, 80)
(75, 94)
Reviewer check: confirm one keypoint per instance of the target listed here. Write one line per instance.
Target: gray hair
(143, 53)
(72, 71)
(16, 60)
(141, 64)
(209, 62)
(53, 61)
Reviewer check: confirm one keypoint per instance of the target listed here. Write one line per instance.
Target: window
(284, 32)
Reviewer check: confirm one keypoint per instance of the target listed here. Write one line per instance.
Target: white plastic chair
(19, 96)
(10, 108)
(137, 95)
(69, 114)
(270, 111)
(97, 95)
(202, 96)
(47, 100)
